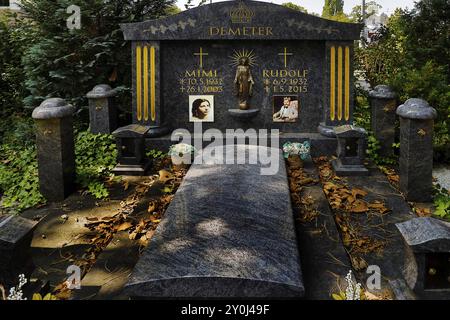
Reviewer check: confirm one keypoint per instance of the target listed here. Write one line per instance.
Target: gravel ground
(442, 174)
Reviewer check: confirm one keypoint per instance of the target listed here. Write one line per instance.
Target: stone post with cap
(102, 109)
(55, 148)
(383, 104)
(416, 149)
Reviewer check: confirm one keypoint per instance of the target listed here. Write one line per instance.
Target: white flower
(353, 290)
(15, 293)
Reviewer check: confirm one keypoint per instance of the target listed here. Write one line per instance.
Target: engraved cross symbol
(285, 54)
(201, 54)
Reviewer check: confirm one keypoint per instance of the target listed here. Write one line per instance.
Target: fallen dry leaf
(124, 226)
(165, 176)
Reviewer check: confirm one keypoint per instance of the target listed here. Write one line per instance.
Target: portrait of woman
(201, 108)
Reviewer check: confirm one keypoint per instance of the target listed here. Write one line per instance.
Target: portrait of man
(201, 108)
(285, 108)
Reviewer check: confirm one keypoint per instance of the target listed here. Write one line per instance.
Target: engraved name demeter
(240, 31)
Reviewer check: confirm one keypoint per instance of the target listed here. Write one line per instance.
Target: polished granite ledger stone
(228, 232)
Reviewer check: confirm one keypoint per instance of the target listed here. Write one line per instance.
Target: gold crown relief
(241, 14)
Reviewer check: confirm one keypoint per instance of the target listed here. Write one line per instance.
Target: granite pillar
(383, 104)
(102, 109)
(55, 148)
(416, 149)
(146, 79)
(338, 86)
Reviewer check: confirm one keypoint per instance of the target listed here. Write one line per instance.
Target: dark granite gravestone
(102, 109)
(55, 148)
(427, 265)
(197, 53)
(16, 234)
(350, 151)
(383, 104)
(416, 149)
(228, 232)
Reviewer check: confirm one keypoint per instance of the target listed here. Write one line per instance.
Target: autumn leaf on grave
(91, 218)
(165, 176)
(124, 226)
(154, 219)
(378, 206)
(423, 212)
(141, 189)
(151, 207)
(340, 296)
(358, 192)
(358, 263)
(126, 185)
(359, 206)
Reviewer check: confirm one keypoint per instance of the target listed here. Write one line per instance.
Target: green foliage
(95, 156)
(68, 63)
(372, 7)
(155, 154)
(19, 183)
(332, 8)
(414, 58)
(441, 201)
(16, 35)
(294, 6)
(19, 178)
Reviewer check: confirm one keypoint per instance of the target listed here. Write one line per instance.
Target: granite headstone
(196, 54)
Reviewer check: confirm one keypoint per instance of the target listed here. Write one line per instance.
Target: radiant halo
(243, 53)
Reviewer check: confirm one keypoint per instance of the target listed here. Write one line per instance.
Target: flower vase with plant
(296, 152)
(182, 155)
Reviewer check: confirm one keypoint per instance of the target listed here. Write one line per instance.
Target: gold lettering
(269, 31)
(213, 31)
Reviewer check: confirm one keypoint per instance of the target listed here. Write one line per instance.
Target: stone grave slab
(229, 232)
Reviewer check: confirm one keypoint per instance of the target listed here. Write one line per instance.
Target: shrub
(68, 63)
(414, 58)
(95, 158)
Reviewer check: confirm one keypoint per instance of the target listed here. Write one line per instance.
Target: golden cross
(201, 54)
(285, 54)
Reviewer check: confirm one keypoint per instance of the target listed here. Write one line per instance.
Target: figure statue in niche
(244, 82)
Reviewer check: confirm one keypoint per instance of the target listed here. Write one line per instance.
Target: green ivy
(95, 156)
(19, 178)
(441, 201)
(155, 154)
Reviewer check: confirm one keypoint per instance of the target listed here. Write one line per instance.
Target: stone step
(229, 232)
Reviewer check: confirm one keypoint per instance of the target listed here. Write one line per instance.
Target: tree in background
(334, 10)
(412, 54)
(294, 7)
(68, 63)
(372, 7)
